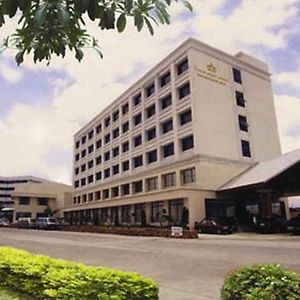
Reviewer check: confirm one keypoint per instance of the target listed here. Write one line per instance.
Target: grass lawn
(6, 294)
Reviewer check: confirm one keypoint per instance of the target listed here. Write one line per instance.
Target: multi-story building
(32, 197)
(193, 122)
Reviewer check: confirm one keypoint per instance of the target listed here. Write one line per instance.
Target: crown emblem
(211, 68)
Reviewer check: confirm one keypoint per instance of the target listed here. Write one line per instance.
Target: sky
(41, 106)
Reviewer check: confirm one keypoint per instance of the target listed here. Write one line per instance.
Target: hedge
(45, 278)
(264, 281)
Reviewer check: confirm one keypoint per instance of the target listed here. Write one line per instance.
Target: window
(139, 214)
(151, 134)
(166, 101)
(182, 66)
(176, 211)
(156, 211)
(137, 186)
(99, 175)
(83, 181)
(84, 198)
(125, 109)
(76, 171)
(77, 157)
(90, 178)
(116, 133)
(167, 126)
(151, 156)
(90, 164)
(138, 161)
(115, 115)
(243, 125)
(237, 76)
(76, 184)
(150, 111)
(115, 169)
(83, 168)
(125, 147)
(99, 144)
(137, 140)
(187, 143)
(77, 144)
(116, 151)
(125, 189)
(107, 121)
(184, 90)
(137, 99)
(98, 160)
(24, 201)
(188, 175)
(137, 119)
(115, 191)
(83, 139)
(105, 194)
(165, 79)
(43, 201)
(107, 173)
(90, 197)
(97, 195)
(150, 89)
(151, 183)
(125, 165)
(125, 127)
(98, 128)
(78, 199)
(185, 117)
(246, 151)
(168, 150)
(91, 148)
(83, 153)
(169, 180)
(126, 214)
(107, 156)
(107, 138)
(91, 134)
(240, 101)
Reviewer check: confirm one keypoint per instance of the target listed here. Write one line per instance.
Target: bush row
(46, 278)
(264, 281)
(134, 231)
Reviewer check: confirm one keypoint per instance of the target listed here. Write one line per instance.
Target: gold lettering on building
(210, 74)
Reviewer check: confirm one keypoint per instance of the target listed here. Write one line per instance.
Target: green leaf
(149, 25)
(12, 7)
(63, 15)
(79, 54)
(24, 4)
(138, 21)
(121, 23)
(19, 57)
(188, 5)
(41, 15)
(128, 5)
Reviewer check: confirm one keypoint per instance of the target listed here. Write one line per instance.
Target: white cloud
(288, 112)
(9, 73)
(290, 79)
(33, 131)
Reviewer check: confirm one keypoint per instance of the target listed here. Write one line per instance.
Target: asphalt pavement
(184, 269)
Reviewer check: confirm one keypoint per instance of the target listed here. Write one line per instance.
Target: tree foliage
(48, 27)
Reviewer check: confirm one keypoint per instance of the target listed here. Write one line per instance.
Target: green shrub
(46, 278)
(261, 282)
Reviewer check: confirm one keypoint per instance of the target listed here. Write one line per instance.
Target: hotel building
(190, 125)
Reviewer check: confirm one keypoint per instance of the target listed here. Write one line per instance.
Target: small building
(33, 197)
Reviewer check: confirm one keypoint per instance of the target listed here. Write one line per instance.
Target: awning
(7, 209)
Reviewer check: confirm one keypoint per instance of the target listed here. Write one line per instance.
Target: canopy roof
(264, 171)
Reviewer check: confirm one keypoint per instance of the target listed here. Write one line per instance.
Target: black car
(214, 226)
(293, 225)
(272, 224)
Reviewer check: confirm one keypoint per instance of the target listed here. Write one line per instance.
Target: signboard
(176, 231)
(210, 73)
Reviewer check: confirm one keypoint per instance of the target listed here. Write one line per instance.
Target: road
(184, 269)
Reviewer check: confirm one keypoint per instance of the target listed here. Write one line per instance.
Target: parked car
(26, 223)
(4, 223)
(47, 223)
(272, 224)
(293, 225)
(214, 226)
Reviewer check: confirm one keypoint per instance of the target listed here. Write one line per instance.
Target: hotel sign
(211, 73)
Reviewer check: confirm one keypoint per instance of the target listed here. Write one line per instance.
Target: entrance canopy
(281, 175)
